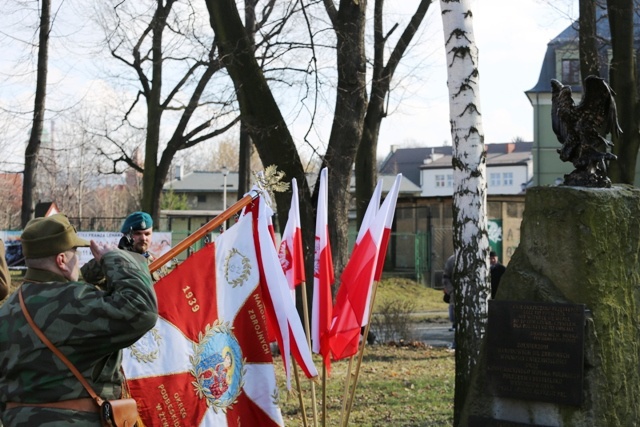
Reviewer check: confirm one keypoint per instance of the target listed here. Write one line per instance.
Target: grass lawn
(422, 298)
(397, 386)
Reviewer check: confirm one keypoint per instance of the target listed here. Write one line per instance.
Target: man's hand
(98, 251)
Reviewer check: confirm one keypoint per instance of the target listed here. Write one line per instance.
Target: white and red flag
(323, 278)
(351, 311)
(392, 197)
(278, 302)
(290, 251)
(370, 213)
(207, 362)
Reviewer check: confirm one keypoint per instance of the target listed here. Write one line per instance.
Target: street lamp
(225, 172)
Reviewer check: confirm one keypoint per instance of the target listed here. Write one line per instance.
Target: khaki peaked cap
(49, 236)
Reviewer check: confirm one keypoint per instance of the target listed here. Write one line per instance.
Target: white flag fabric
(290, 251)
(290, 334)
(323, 278)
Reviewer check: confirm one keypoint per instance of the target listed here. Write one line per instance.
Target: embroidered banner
(208, 361)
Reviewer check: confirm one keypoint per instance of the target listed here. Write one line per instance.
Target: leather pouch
(119, 413)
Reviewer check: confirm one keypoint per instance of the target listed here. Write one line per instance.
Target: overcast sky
(512, 37)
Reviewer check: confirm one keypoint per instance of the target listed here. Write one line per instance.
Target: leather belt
(86, 404)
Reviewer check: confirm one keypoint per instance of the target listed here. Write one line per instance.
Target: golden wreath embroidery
(237, 268)
(147, 348)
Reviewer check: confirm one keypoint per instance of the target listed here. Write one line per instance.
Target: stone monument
(577, 267)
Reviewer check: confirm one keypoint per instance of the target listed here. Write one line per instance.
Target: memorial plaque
(535, 351)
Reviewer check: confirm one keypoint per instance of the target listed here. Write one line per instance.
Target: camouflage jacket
(92, 272)
(87, 324)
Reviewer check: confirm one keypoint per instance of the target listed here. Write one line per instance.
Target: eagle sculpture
(582, 129)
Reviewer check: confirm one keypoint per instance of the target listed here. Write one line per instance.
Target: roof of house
(203, 181)
(199, 181)
(407, 188)
(570, 36)
(493, 159)
(409, 161)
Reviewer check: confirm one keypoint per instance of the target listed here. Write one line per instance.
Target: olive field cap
(48, 236)
(137, 221)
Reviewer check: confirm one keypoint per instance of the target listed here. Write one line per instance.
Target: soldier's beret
(48, 236)
(137, 221)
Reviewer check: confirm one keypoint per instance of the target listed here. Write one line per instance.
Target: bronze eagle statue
(581, 129)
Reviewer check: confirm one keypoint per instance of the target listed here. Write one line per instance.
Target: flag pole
(343, 414)
(324, 395)
(361, 352)
(307, 329)
(202, 231)
(300, 400)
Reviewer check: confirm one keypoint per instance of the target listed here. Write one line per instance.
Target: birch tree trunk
(470, 239)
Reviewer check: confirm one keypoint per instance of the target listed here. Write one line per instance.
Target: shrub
(392, 320)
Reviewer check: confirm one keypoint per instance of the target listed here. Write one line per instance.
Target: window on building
(450, 180)
(507, 179)
(439, 180)
(494, 180)
(571, 72)
(202, 198)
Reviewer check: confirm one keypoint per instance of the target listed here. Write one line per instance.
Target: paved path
(434, 334)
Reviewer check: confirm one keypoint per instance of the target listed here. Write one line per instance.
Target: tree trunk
(33, 147)
(346, 131)
(244, 150)
(261, 114)
(623, 81)
(366, 169)
(471, 243)
(244, 162)
(150, 194)
(589, 61)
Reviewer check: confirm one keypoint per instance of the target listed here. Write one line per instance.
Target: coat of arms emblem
(218, 366)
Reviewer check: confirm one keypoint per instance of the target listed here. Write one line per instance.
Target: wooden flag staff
(202, 231)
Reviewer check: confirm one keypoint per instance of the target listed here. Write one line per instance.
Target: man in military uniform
(137, 230)
(5, 276)
(87, 324)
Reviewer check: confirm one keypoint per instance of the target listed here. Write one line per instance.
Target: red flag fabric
(207, 362)
(351, 311)
(351, 300)
(290, 251)
(279, 305)
(323, 278)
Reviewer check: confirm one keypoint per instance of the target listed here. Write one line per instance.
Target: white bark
(471, 243)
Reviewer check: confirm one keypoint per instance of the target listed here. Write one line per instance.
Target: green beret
(48, 236)
(137, 221)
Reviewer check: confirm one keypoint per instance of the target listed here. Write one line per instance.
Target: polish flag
(389, 206)
(351, 310)
(323, 278)
(290, 251)
(371, 212)
(392, 197)
(278, 302)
